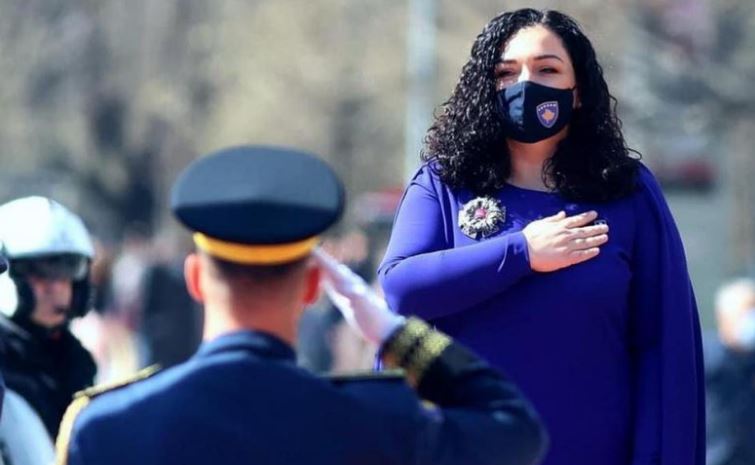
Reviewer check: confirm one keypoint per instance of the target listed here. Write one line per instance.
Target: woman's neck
(528, 160)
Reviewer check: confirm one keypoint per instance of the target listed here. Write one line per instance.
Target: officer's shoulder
(83, 398)
(100, 389)
(386, 391)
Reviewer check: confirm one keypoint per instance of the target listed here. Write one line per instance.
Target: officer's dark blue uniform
(241, 399)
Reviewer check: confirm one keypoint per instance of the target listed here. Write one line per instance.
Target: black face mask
(532, 112)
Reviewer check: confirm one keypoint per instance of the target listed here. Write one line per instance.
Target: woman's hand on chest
(560, 241)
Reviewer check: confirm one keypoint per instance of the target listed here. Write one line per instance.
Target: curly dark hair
(466, 144)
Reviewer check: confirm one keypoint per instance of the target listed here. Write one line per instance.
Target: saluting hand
(559, 241)
(364, 310)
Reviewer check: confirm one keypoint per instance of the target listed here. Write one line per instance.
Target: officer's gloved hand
(362, 308)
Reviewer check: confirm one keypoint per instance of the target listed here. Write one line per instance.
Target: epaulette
(366, 375)
(81, 399)
(102, 388)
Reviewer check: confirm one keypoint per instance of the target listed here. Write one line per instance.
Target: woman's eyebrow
(547, 56)
(511, 61)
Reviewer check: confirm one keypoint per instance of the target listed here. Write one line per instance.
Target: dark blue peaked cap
(256, 204)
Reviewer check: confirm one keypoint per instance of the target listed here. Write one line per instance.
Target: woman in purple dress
(533, 235)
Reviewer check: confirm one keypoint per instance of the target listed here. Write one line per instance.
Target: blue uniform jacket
(242, 400)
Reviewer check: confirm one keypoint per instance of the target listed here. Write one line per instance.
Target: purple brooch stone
(547, 113)
(481, 217)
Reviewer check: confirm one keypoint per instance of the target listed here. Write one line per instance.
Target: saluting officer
(257, 213)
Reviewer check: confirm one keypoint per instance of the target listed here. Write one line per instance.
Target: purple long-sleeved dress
(608, 350)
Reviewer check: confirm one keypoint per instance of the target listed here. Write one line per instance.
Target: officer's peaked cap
(258, 204)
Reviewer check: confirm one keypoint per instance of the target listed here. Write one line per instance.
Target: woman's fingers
(582, 219)
(557, 217)
(579, 256)
(588, 231)
(559, 241)
(579, 235)
(581, 243)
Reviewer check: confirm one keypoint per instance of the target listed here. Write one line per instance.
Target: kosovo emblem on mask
(547, 113)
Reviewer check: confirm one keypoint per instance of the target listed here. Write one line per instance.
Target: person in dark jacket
(730, 376)
(171, 320)
(49, 252)
(257, 213)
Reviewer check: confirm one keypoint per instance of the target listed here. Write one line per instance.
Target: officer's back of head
(256, 213)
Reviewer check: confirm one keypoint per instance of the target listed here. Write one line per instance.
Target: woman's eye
(549, 70)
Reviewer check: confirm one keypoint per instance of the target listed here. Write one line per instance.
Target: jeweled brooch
(481, 217)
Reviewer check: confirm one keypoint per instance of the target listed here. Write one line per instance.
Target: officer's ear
(192, 272)
(312, 289)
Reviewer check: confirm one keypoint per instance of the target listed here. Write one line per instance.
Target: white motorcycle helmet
(43, 238)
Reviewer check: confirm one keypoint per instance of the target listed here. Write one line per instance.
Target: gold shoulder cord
(66, 427)
(81, 400)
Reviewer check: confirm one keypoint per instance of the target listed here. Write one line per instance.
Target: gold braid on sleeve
(414, 348)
